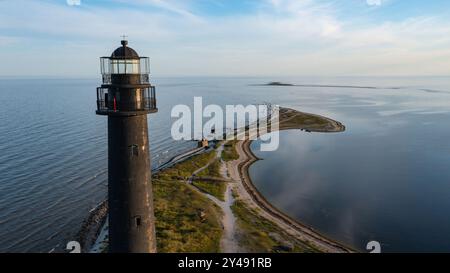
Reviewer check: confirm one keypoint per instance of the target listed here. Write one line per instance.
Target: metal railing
(143, 78)
(106, 78)
(102, 99)
(108, 103)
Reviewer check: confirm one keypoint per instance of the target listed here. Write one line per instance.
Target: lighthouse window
(134, 150)
(124, 66)
(144, 66)
(137, 221)
(132, 67)
(117, 66)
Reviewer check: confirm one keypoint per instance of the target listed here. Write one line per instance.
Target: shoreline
(92, 226)
(247, 192)
(294, 227)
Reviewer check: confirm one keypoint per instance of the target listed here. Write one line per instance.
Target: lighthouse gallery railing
(107, 101)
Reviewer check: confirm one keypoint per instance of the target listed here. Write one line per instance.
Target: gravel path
(228, 243)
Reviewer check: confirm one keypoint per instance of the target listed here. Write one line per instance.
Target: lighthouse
(126, 97)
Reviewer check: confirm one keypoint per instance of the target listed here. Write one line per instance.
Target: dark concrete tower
(126, 97)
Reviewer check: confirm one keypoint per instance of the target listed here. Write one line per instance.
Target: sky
(65, 38)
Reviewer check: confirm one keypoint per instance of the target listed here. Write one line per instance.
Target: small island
(278, 84)
(208, 203)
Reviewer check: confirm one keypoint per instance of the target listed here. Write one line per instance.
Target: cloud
(73, 2)
(278, 37)
(374, 2)
(8, 40)
(176, 7)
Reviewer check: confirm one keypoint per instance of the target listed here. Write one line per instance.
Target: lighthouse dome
(124, 52)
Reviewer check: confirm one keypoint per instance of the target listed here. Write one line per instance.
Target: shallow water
(385, 178)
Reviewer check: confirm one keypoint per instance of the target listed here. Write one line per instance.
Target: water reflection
(385, 178)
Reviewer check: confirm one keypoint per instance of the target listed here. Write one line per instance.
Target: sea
(385, 179)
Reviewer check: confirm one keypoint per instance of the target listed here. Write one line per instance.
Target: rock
(284, 248)
(202, 215)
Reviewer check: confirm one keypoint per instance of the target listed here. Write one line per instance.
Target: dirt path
(228, 241)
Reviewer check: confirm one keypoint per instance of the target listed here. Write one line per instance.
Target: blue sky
(228, 37)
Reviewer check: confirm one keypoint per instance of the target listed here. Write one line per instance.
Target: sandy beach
(238, 170)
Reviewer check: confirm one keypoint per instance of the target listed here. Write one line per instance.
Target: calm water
(385, 178)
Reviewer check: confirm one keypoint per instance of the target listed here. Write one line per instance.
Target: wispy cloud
(277, 37)
(374, 2)
(176, 7)
(73, 2)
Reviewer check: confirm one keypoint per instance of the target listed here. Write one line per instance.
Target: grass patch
(303, 120)
(214, 188)
(229, 152)
(218, 143)
(185, 169)
(186, 221)
(213, 170)
(260, 235)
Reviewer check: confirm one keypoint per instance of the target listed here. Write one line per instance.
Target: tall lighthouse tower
(126, 97)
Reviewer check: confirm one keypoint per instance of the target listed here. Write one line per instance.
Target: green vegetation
(218, 143)
(184, 170)
(229, 152)
(300, 120)
(215, 188)
(260, 235)
(186, 221)
(213, 170)
(303, 120)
